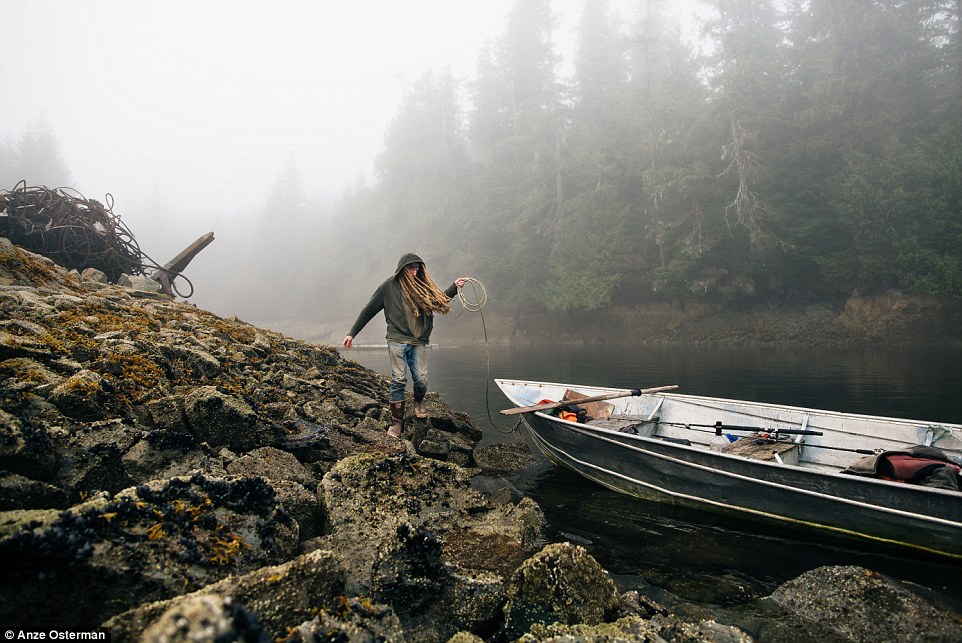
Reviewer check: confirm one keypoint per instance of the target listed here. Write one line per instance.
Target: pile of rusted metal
(70, 229)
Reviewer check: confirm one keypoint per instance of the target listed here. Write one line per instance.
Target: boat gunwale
(596, 431)
(688, 397)
(703, 502)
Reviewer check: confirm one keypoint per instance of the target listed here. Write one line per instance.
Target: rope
(480, 299)
(480, 295)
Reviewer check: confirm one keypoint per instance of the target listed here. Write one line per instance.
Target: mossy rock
(562, 583)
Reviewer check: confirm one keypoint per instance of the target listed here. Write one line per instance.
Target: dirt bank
(889, 318)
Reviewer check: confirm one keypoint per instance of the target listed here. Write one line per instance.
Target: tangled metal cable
(72, 230)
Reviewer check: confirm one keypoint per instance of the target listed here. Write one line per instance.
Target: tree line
(815, 152)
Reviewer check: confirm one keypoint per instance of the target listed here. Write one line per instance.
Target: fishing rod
(737, 427)
(766, 438)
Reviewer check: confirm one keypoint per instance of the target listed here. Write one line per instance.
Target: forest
(807, 151)
(815, 153)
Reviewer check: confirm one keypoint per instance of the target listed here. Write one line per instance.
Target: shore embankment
(891, 318)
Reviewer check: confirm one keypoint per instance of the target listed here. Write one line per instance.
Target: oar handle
(585, 400)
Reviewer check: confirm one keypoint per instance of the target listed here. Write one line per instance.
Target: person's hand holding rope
(479, 293)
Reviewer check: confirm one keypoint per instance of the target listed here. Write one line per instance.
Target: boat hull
(868, 509)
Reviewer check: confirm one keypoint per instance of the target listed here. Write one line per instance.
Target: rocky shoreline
(173, 475)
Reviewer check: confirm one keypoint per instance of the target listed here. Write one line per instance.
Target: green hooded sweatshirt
(389, 298)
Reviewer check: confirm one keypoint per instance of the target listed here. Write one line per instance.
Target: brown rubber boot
(397, 415)
(420, 410)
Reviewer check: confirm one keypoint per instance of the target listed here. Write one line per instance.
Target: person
(409, 299)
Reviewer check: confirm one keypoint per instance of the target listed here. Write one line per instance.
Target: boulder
(504, 457)
(206, 618)
(272, 463)
(858, 604)
(20, 492)
(351, 619)
(147, 543)
(280, 596)
(224, 420)
(636, 628)
(82, 396)
(563, 584)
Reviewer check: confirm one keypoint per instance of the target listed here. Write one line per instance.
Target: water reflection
(704, 557)
(916, 383)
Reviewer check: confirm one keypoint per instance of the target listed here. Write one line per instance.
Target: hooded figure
(409, 299)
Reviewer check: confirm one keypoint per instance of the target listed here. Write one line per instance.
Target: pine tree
(35, 158)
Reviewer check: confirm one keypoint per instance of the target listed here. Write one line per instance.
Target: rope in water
(478, 300)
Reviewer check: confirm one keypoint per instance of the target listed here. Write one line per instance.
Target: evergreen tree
(35, 158)
(422, 168)
(873, 84)
(586, 256)
(671, 179)
(745, 76)
(523, 192)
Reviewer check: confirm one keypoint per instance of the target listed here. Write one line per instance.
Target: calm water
(652, 547)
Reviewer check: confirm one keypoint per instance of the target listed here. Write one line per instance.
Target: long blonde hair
(422, 294)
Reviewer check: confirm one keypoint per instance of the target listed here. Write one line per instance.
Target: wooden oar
(594, 398)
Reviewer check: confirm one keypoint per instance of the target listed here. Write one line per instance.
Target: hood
(406, 259)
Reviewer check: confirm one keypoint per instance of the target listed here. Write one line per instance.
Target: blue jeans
(407, 358)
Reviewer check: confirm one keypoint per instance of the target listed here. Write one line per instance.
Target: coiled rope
(474, 303)
(479, 292)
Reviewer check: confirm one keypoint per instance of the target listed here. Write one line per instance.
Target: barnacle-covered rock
(302, 505)
(19, 492)
(442, 445)
(635, 628)
(504, 457)
(442, 418)
(223, 420)
(156, 456)
(82, 396)
(562, 583)
(407, 571)
(167, 413)
(350, 619)
(147, 543)
(27, 448)
(206, 618)
(280, 596)
(465, 637)
(272, 463)
(420, 539)
(858, 604)
(368, 496)
(95, 453)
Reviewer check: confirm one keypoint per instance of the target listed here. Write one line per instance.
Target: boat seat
(749, 447)
(598, 410)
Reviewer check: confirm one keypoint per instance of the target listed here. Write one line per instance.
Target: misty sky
(204, 102)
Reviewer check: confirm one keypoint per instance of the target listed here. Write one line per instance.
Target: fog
(187, 112)
(206, 101)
